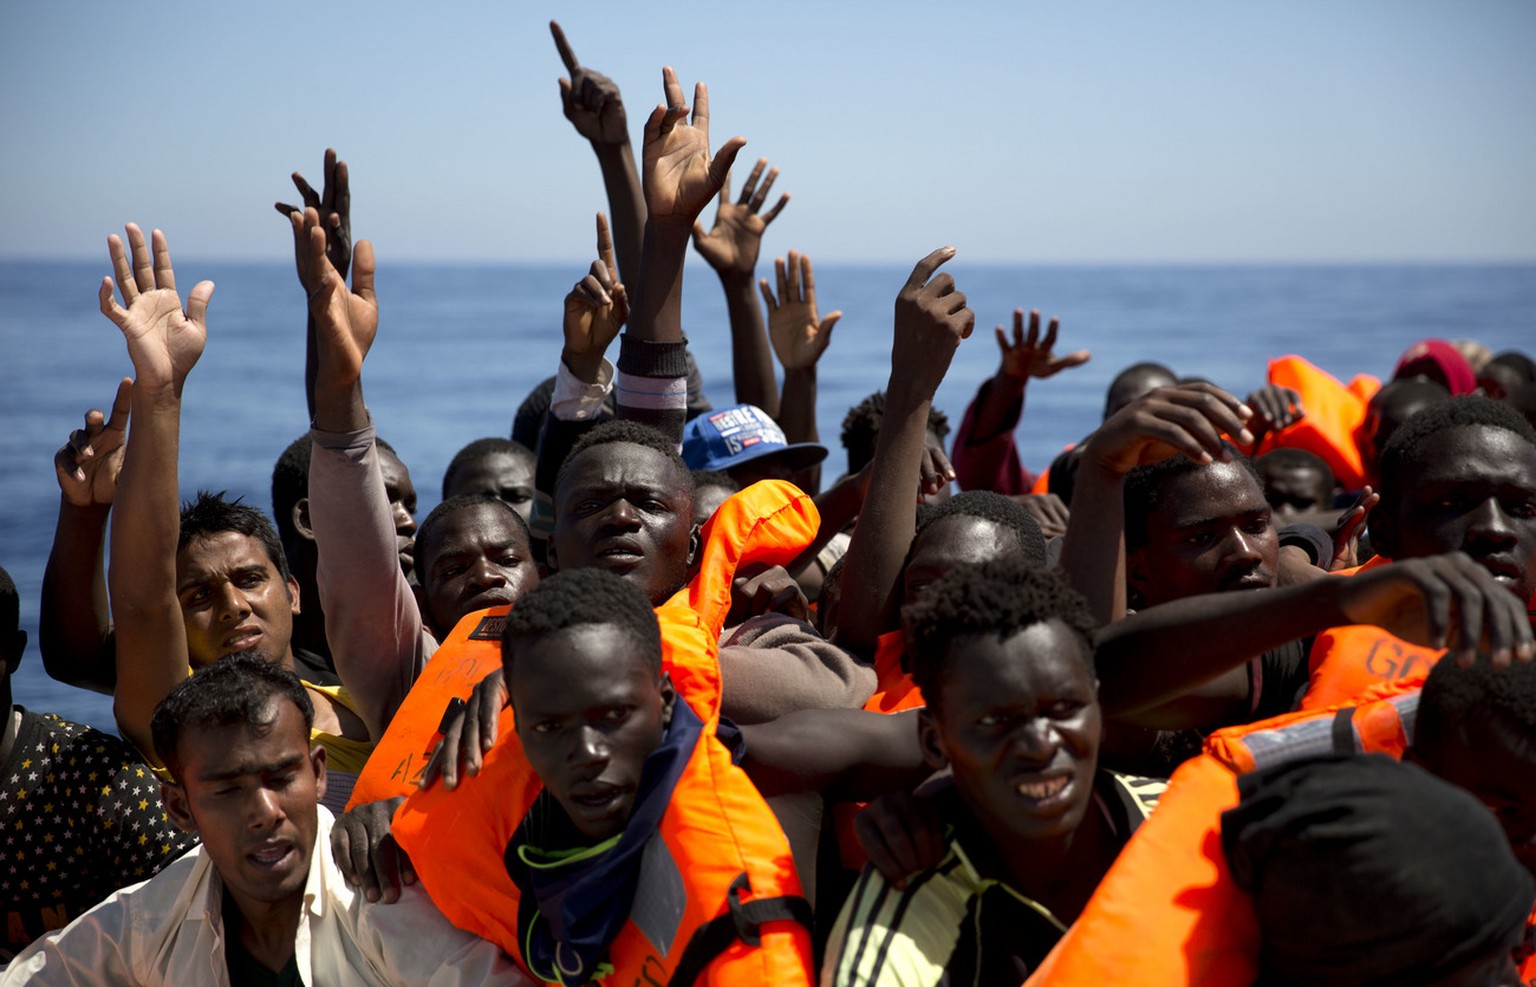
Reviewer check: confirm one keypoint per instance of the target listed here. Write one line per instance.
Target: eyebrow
(200, 578)
(276, 767)
(1200, 522)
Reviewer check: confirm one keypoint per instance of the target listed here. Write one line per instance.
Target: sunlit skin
(590, 708)
(1211, 531)
(1294, 490)
(233, 598)
(250, 792)
(507, 477)
(1473, 489)
(946, 545)
(627, 509)
(474, 558)
(402, 503)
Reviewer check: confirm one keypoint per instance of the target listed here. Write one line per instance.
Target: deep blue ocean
(459, 347)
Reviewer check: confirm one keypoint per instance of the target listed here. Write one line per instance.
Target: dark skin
(800, 336)
(333, 204)
(477, 557)
(931, 320)
(731, 247)
(1026, 356)
(503, 475)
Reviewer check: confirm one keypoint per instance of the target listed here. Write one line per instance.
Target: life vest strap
(743, 920)
(1344, 739)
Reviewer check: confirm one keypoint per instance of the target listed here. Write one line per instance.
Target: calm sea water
(459, 347)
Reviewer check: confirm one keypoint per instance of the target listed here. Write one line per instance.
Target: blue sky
(1021, 132)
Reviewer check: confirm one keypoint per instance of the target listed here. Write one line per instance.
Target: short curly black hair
(290, 484)
(211, 513)
(861, 427)
(1501, 699)
(576, 598)
(1146, 487)
(238, 688)
(434, 519)
(481, 449)
(1396, 467)
(1001, 598)
(715, 478)
(988, 506)
(633, 432)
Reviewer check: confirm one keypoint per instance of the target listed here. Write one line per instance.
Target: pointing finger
(925, 267)
(564, 47)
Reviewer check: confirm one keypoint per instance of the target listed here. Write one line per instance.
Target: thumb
(197, 302)
(827, 324)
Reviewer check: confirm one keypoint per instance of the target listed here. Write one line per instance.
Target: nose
(486, 573)
(1036, 742)
(405, 525)
(1489, 524)
(622, 514)
(590, 747)
(1241, 551)
(263, 809)
(233, 606)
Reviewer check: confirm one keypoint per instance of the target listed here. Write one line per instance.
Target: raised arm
(1185, 420)
(800, 336)
(731, 248)
(75, 624)
(333, 205)
(164, 343)
(592, 103)
(931, 320)
(984, 446)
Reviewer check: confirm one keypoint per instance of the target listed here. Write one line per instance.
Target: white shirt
(169, 930)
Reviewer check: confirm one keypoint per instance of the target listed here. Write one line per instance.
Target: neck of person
(1059, 872)
(266, 929)
(12, 724)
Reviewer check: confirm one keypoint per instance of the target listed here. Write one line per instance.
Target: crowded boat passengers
(1235, 690)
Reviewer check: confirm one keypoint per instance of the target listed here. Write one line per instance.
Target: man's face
(502, 475)
(476, 557)
(1500, 770)
(402, 502)
(249, 792)
(589, 710)
(627, 509)
(1019, 724)
(1294, 490)
(1210, 532)
(948, 544)
(232, 597)
(1470, 489)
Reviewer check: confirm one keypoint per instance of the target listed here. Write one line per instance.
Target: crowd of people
(1235, 691)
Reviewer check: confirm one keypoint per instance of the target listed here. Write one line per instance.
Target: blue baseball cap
(729, 437)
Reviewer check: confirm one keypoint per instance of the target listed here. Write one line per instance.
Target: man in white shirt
(256, 902)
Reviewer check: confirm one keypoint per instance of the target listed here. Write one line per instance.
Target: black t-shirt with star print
(80, 817)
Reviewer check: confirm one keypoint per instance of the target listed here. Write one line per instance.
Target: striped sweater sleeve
(652, 384)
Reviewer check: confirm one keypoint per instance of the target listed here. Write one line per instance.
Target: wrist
(617, 152)
(585, 367)
(737, 280)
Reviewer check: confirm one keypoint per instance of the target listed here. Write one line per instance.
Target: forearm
(1161, 653)
(797, 407)
(657, 303)
(887, 521)
(842, 753)
(989, 460)
(75, 625)
(751, 357)
(311, 365)
(838, 506)
(372, 622)
(626, 204)
(151, 646)
(1093, 552)
(998, 406)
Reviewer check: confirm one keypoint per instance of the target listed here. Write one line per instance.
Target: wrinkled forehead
(221, 552)
(1469, 455)
(619, 463)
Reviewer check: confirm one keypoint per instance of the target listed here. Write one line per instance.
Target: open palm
(164, 341)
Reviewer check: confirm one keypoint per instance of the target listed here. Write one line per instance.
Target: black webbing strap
(742, 921)
(1344, 731)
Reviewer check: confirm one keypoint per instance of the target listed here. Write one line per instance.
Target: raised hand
(1186, 419)
(1346, 531)
(679, 176)
(931, 320)
(334, 206)
(1030, 356)
(1275, 407)
(731, 245)
(88, 464)
(595, 309)
(164, 341)
(346, 321)
(590, 99)
(799, 336)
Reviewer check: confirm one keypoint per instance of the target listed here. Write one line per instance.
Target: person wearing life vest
(1001, 650)
(607, 833)
(1170, 909)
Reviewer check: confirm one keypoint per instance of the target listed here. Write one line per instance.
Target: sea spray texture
(459, 347)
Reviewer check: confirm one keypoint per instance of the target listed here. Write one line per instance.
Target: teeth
(1043, 789)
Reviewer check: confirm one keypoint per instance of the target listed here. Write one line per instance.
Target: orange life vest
(1333, 414)
(729, 895)
(1168, 907)
(769, 522)
(1347, 661)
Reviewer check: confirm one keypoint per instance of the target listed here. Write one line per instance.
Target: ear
(668, 698)
(317, 760)
(174, 798)
(1381, 525)
(301, 522)
(1137, 579)
(929, 740)
(294, 597)
(420, 593)
(18, 644)
(550, 561)
(695, 543)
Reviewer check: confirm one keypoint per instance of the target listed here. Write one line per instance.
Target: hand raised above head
(88, 464)
(679, 175)
(346, 321)
(595, 309)
(732, 244)
(164, 341)
(1030, 356)
(798, 334)
(591, 100)
(334, 207)
(1185, 419)
(931, 320)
